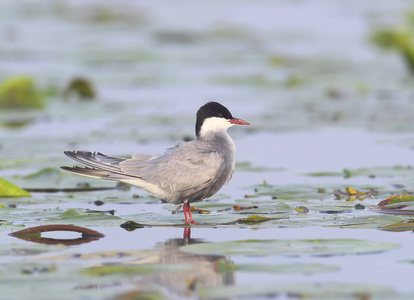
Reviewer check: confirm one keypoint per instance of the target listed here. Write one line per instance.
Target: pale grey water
(155, 63)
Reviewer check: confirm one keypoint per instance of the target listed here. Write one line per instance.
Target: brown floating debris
(225, 209)
(58, 227)
(199, 210)
(302, 209)
(352, 194)
(396, 199)
(33, 234)
(253, 219)
(236, 207)
(81, 88)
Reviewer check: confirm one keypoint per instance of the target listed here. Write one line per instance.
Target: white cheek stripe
(214, 124)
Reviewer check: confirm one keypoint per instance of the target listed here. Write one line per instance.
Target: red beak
(239, 121)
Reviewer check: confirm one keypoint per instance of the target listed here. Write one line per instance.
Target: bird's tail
(99, 165)
(88, 172)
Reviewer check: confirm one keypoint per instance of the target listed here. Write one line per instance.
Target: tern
(190, 171)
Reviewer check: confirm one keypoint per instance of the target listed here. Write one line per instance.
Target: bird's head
(214, 117)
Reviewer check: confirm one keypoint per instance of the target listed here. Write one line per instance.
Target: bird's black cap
(208, 110)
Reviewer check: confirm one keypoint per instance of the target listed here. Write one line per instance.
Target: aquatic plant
(81, 88)
(399, 39)
(20, 92)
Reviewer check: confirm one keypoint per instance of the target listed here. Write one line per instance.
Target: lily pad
(311, 290)
(52, 180)
(394, 171)
(45, 173)
(28, 249)
(394, 199)
(253, 219)
(152, 219)
(20, 92)
(365, 222)
(295, 268)
(247, 167)
(317, 247)
(82, 218)
(399, 227)
(103, 195)
(81, 88)
(288, 192)
(8, 189)
(133, 270)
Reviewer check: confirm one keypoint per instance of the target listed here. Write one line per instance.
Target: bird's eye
(220, 115)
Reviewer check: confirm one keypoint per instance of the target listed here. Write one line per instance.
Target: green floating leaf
(399, 40)
(290, 247)
(294, 268)
(388, 39)
(51, 180)
(152, 219)
(301, 209)
(81, 218)
(394, 171)
(399, 227)
(366, 222)
(133, 270)
(8, 189)
(288, 268)
(332, 207)
(397, 205)
(304, 290)
(20, 92)
(6, 163)
(45, 173)
(288, 192)
(247, 167)
(262, 207)
(28, 249)
(111, 195)
(394, 199)
(217, 197)
(51, 281)
(253, 219)
(406, 211)
(143, 294)
(81, 88)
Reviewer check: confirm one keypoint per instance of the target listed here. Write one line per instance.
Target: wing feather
(185, 167)
(96, 160)
(189, 171)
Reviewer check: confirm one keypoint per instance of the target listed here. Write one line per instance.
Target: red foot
(190, 222)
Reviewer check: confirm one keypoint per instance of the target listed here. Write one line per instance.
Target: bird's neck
(220, 138)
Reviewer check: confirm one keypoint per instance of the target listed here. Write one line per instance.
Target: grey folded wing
(187, 171)
(100, 165)
(185, 167)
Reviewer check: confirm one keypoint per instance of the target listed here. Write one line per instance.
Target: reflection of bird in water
(202, 268)
(188, 172)
(182, 273)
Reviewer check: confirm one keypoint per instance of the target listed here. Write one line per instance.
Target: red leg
(185, 213)
(187, 210)
(189, 213)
